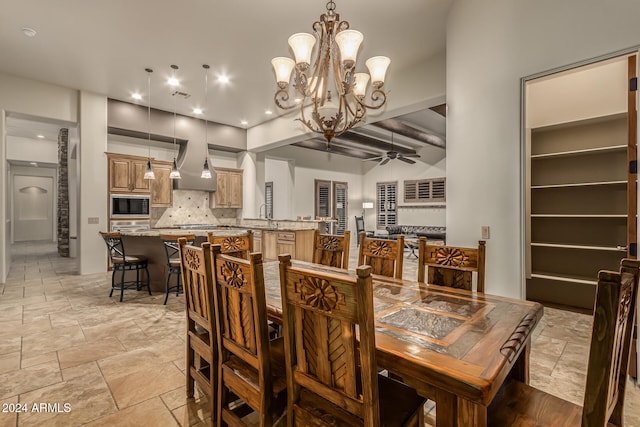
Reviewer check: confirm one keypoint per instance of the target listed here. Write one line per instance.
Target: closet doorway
(580, 179)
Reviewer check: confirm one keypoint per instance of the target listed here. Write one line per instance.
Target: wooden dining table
(455, 347)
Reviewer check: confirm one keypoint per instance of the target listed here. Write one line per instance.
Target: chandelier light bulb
(302, 46)
(349, 42)
(283, 67)
(362, 80)
(378, 69)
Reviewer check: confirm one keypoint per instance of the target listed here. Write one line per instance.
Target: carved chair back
(201, 342)
(322, 312)
(236, 246)
(613, 320)
(451, 265)
(243, 335)
(331, 249)
(385, 256)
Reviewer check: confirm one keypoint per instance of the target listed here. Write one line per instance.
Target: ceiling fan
(394, 155)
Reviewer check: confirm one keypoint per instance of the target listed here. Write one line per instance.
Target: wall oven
(129, 206)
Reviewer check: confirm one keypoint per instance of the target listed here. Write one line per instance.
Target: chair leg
(146, 271)
(179, 286)
(122, 284)
(137, 277)
(166, 287)
(113, 281)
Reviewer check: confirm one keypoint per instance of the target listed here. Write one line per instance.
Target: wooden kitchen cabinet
(228, 189)
(161, 187)
(126, 174)
(299, 244)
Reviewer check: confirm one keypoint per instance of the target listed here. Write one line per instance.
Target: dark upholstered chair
(121, 263)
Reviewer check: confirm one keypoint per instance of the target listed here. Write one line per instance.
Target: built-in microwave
(129, 206)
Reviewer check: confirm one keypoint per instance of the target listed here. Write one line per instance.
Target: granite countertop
(155, 232)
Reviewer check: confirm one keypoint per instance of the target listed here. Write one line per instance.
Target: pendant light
(175, 173)
(206, 172)
(148, 173)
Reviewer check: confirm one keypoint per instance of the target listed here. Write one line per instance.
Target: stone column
(63, 193)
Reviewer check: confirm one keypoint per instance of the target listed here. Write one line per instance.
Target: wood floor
(63, 340)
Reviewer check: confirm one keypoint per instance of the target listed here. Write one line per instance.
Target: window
(323, 201)
(268, 199)
(386, 213)
(425, 190)
(340, 206)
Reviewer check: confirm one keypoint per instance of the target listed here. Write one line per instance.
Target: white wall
(32, 150)
(93, 182)
(18, 95)
(282, 174)
(490, 47)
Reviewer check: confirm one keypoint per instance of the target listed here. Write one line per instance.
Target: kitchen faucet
(265, 211)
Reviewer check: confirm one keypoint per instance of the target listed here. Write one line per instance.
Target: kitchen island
(270, 237)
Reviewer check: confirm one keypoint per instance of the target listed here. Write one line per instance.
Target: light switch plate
(485, 231)
(94, 220)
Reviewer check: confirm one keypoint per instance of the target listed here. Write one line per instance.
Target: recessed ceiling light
(223, 79)
(244, 122)
(33, 164)
(40, 136)
(268, 112)
(136, 96)
(29, 32)
(173, 81)
(197, 111)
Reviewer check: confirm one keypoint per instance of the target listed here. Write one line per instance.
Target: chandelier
(336, 104)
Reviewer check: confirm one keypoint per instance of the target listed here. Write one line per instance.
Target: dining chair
(360, 228)
(121, 263)
(519, 404)
(451, 265)
(251, 366)
(331, 249)
(330, 353)
(237, 246)
(385, 256)
(172, 252)
(201, 338)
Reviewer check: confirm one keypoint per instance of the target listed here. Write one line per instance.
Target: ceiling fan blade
(385, 161)
(416, 155)
(404, 159)
(374, 158)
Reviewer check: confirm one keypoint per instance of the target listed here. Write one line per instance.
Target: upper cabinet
(228, 189)
(126, 174)
(161, 187)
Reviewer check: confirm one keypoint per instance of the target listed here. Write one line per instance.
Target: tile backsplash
(191, 207)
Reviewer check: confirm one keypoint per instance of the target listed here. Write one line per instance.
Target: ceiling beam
(373, 142)
(321, 145)
(403, 129)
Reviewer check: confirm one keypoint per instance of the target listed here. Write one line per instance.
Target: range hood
(190, 162)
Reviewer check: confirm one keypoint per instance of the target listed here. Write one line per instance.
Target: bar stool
(121, 262)
(172, 250)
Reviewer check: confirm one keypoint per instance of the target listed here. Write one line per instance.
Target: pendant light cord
(149, 71)
(206, 101)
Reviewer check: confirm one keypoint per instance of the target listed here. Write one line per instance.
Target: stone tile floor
(64, 341)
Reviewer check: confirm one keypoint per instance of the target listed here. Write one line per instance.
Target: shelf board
(578, 215)
(598, 150)
(564, 278)
(586, 247)
(579, 184)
